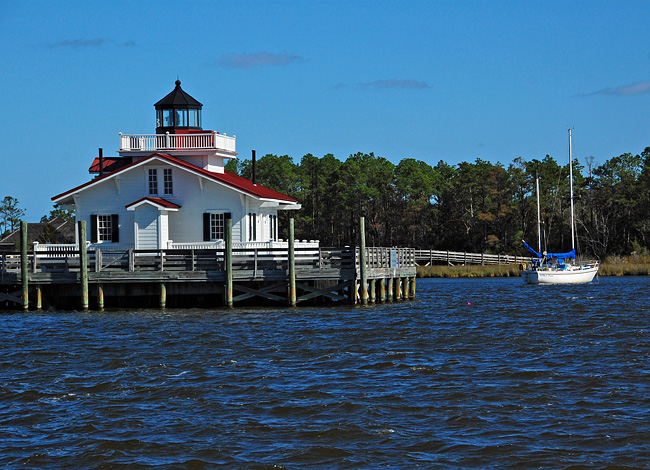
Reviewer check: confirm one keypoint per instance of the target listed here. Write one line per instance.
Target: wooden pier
(205, 278)
(463, 258)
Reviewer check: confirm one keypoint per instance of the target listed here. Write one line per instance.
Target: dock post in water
(292, 265)
(163, 295)
(389, 282)
(39, 298)
(83, 264)
(23, 264)
(382, 290)
(228, 260)
(362, 261)
(100, 296)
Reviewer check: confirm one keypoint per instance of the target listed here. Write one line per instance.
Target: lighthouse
(170, 189)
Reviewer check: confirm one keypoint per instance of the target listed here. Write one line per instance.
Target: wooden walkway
(452, 258)
(335, 274)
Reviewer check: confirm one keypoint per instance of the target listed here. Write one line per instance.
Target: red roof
(229, 179)
(110, 164)
(157, 201)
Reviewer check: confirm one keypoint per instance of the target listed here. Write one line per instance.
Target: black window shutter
(93, 230)
(115, 235)
(206, 227)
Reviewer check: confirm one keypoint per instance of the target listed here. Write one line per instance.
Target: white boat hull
(553, 276)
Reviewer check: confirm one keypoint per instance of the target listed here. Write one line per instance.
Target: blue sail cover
(571, 255)
(531, 249)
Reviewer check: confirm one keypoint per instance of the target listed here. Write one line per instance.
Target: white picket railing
(220, 244)
(154, 142)
(59, 249)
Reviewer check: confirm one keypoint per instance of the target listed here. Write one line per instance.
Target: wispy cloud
(79, 43)
(258, 59)
(396, 83)
(88, 43)
(638, 88)
(404, 84)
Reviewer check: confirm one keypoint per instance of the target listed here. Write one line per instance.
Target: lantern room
(177, 111)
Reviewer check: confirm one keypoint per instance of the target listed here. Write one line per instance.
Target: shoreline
(513, 270)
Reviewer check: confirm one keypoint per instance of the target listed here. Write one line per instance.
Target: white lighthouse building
(170, 189)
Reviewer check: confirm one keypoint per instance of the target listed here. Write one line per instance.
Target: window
(168, 184)
(217, 227)
(168, 118)
(252, 227)
(214, 225)
(104, 228)
(153, 181)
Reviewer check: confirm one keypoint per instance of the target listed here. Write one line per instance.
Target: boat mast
(571, 193)
(539, 223)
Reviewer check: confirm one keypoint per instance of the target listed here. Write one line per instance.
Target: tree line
(475, 207)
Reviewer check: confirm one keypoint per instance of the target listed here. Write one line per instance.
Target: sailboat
(556, 268)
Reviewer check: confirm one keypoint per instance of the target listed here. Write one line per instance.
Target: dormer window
(168, 182)
(153, 181)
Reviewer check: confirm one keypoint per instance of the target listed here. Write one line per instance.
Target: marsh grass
(610, 267)
(503, 270)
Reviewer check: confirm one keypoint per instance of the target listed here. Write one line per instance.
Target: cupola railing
(198, 141)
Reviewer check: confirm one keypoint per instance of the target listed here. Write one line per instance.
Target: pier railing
(423, 257)
(257, 262)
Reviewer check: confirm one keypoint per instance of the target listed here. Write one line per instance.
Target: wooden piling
(23, 264)
(100, 296)
(373, 291)
(362, 261)
(389, 282)
(83, 264)
(39, 298)
(292, 265)
(382, 290)
(398, 288)
(163, 295)
(412, 293)
(228, 260)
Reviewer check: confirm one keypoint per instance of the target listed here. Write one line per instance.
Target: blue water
(474, 374)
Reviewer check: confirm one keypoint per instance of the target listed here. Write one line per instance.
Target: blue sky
(431, 80)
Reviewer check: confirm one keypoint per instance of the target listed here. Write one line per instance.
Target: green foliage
(49, 234)
(10, 214)
(63, 214)
(477, 207)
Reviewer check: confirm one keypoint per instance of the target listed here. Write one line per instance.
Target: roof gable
(228, 179)
(158, 202)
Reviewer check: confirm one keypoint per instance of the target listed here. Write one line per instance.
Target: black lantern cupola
(177, 110)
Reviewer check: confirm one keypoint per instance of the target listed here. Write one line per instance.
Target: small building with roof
(171, 190)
